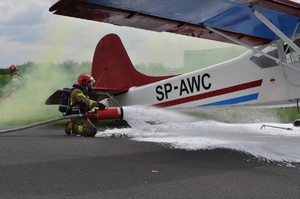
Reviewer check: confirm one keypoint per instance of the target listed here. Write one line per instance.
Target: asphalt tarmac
(45, 163)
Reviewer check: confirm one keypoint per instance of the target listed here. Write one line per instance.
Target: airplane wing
(190, 17)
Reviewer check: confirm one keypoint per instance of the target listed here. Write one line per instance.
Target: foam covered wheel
(296, 122)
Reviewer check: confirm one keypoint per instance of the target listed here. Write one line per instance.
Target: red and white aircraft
(268, 75)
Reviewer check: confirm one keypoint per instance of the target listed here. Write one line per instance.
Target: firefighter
(15, 77)
(80, 104)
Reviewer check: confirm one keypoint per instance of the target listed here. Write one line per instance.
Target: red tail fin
(113, 70)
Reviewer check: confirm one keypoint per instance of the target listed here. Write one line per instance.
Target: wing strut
(276, 30)
(253, 49)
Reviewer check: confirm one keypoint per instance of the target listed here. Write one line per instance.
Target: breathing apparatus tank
(64, 100)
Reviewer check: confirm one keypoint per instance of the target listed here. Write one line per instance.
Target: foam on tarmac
(185, 132)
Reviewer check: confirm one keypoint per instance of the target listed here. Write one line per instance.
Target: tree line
(68, 65)
(74, 68)
(71, 65)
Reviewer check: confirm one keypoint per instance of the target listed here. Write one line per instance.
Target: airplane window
(263, 61)
(291, 56)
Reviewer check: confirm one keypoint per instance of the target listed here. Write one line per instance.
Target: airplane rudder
(111, 63)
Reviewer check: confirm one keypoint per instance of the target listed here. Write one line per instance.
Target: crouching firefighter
(80, 104)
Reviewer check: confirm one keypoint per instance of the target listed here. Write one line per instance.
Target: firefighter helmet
(12, 67)
(85, 79)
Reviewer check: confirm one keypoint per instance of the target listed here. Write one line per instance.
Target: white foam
(185, 132)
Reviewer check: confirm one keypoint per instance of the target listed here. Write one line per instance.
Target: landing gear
(296, 122)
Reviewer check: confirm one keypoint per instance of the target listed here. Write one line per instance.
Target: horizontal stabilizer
(54, 98)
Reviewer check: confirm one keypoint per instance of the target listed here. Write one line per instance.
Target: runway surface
(45, 163)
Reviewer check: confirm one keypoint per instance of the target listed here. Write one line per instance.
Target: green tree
(154, 69)
(4, 71)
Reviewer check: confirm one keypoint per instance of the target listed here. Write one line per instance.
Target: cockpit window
(291, 56)
(263, 61)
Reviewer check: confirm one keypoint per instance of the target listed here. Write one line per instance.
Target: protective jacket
(15, 79)
(79, 100)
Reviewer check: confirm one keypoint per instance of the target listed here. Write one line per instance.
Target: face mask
(90, 89)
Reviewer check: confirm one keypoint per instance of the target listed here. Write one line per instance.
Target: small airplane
(268, 75)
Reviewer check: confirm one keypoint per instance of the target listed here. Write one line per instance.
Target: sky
(29, 32)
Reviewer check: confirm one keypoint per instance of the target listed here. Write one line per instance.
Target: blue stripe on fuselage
(236, 100)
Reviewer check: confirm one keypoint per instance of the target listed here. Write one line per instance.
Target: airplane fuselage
(239, 82)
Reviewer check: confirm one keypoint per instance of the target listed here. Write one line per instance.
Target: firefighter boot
(69, 128)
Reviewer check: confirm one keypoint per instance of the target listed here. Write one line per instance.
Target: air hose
(39, 123)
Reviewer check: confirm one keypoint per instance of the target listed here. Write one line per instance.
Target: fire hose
(110, 113)
(39, 123)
